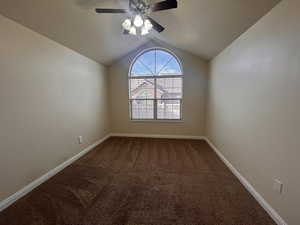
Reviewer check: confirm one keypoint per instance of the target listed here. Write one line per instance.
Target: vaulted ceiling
(201, 27)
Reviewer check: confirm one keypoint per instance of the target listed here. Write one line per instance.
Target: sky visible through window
(156, 62)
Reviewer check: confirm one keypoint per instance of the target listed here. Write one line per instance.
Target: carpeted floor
(138, 181)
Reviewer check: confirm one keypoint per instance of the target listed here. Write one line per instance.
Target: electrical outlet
(278, 186)
(80, 140)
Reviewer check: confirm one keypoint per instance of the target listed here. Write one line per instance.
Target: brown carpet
(138, 181)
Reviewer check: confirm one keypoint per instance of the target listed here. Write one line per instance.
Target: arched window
(155, 86)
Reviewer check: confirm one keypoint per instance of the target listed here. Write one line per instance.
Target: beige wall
(49, 95)
(254, 106)
(195, 84)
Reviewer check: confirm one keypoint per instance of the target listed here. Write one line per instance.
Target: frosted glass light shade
(138, 21)
(148, 25)
(144, 31)
(126, 24)
(132, 30)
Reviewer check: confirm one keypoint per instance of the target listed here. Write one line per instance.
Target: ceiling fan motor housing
(140, 6)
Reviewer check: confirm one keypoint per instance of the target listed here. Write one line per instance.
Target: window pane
(138, 69)
(162, 59)
(172, 68)
(148, 60)
(141, 88)
(155, 63)
(168, 109)
(142, 109)
(169, 88)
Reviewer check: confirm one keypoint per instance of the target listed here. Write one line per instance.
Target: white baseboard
(275, 216)
(28, 188)
(157, 136)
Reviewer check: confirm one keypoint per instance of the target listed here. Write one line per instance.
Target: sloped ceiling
(201, 27)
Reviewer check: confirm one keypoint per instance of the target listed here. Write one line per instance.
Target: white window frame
(155, 77)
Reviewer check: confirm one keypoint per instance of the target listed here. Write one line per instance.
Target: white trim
(157, 121)
(271, 211)
(28, 188)
(157, 136)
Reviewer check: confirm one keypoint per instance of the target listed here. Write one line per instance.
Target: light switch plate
(80, 139)
(278, 186)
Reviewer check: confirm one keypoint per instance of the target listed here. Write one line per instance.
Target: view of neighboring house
(168, 91)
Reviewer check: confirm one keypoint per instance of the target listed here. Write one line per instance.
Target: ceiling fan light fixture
(132, 30)
(138, 21)
(148, 25)
(144, 31)
(126, 24)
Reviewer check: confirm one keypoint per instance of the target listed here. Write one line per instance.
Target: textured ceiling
(201, 27)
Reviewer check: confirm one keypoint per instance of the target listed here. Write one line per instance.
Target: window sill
(157, 121)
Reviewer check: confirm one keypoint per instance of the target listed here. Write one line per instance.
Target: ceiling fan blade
(164, 5)
(111, 11)
(156, 26)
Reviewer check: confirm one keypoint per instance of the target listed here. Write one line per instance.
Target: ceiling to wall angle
(201, 27)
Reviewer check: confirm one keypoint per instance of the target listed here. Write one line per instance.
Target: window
(155, 86)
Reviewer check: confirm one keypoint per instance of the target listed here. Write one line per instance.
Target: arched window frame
(155, 77)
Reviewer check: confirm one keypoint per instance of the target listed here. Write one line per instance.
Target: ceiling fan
(139, 21)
